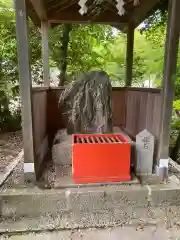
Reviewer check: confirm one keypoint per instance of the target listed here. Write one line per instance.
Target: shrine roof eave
(67, 11)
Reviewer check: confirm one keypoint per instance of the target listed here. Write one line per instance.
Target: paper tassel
(136, 2)
(83, 9)
(120, 7)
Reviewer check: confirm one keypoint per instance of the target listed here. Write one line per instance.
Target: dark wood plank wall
(143, 111)
(39, 115)
(153, 112)
(54, 116)
(133, 108)
(119, 106)
(39, 108)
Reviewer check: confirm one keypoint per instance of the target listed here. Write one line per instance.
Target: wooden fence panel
(153, 113)
(119, 107)
(39, 108)
(143, 111)
(40, 133)
(133, 108)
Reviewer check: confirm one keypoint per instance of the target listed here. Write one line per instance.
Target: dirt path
(10, 146)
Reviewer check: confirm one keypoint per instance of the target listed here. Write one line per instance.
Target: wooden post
(129, 55)
(169, 76)
(25, 83)
(45, 52)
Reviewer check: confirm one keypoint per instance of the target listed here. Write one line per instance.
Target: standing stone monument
(86, 104)
(144, 153)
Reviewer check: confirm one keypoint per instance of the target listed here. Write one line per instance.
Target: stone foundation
(87, 206)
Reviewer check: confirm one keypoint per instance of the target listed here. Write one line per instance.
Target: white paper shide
(83, 9)
(120, 7)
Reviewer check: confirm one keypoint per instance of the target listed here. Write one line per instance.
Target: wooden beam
(129, 55)
(25, 79)
(60, 5)
(121, 27)
(141, 11)
(169, 76)
(45, 53)
(72, 15)
(40, 9)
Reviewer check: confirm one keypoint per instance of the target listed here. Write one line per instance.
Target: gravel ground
(15, 178)
(10, 146)
(48, 177)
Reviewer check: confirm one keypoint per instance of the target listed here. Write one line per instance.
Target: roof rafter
(72, 15)
(67, 11)
(40, 9)
(140, 14)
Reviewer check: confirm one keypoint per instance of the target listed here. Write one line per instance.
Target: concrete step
(116, 233)
(169, 216)
(87, 207)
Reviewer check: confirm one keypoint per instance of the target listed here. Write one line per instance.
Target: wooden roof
(67, 11)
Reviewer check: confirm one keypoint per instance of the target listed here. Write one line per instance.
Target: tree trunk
(176, 149)
(64, 51)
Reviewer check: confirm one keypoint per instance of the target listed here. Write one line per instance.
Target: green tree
(9, 86)
(73, 48)
(155, 32)
(113, 57)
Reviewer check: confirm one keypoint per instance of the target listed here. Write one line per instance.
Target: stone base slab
(35, 209)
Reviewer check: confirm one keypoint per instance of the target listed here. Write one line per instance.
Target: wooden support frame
(169, 75)
(45, 53)
(129, 55)
(25, 84)
(72, 15)
(40, 9)
(140, 13)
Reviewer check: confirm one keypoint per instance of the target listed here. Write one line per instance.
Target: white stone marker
(144, 153)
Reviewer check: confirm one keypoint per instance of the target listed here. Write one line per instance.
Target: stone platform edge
(32, 208)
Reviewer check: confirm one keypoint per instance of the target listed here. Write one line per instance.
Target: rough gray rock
(86, 104)
(62, 148)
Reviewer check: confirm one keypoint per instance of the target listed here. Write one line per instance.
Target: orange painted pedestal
(100, 158)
